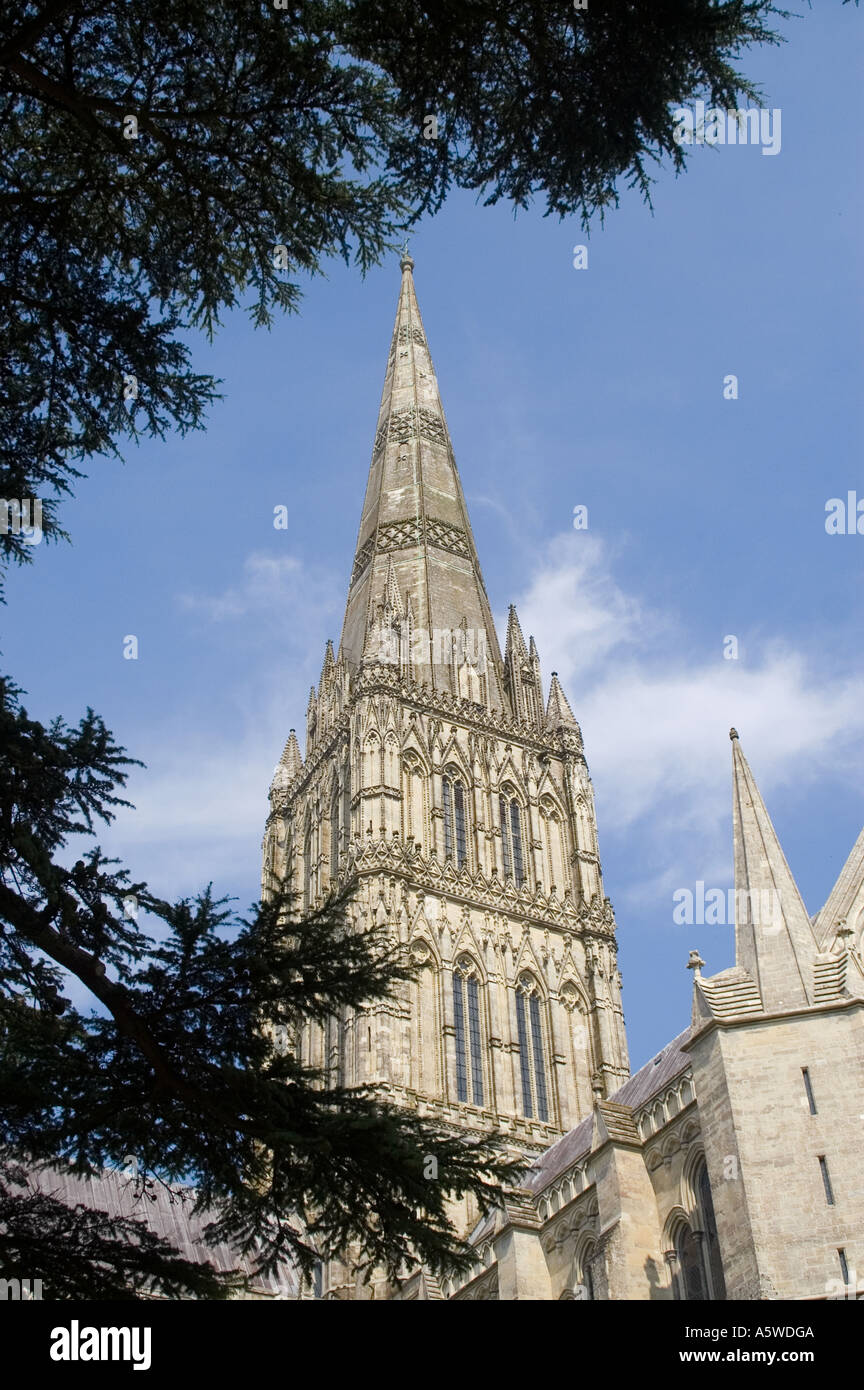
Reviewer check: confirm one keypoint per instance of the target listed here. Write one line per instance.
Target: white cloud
(656, 721)
(273, 587)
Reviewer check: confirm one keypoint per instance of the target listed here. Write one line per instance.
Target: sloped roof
(170, 1216)
(647, 1082)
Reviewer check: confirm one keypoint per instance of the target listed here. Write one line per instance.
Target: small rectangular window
(826, 1179)
(808, 1090)
(844, 1266)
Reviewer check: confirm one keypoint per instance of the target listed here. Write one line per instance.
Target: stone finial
(405, 261)
(733, 733)
(696, 963)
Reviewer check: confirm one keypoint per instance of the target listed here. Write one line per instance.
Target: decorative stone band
(412, 423)
(405, 335)
(401, 535)
(595, 921)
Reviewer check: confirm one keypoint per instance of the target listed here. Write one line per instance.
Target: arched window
(689, 1284)
(711, 1245)
(466, 1017)
(532, 1061)
(413, 802)
(308, 865)
(586, 1273)
(391, 761)
(373, 772)
(334, 834)
(455, 842)
(511, 837)
(554, 844)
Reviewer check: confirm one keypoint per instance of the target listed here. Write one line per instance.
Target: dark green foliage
(190, 1066)
(299, 127)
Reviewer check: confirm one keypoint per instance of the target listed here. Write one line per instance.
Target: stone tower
(777, 1056)
(456, 802)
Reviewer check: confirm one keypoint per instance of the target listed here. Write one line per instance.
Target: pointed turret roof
(328, 667)
(774, 941)
(291, 759)
(414, 530)
(558, 712)
(514, 645)
(288, 765)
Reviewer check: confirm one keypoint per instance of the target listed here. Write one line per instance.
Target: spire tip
(733, 734)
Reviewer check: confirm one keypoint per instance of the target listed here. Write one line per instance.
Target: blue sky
(601, 387)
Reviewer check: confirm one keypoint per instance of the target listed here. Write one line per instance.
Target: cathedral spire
(774, 941)
(415, 537)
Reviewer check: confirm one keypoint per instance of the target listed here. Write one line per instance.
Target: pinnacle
(558, 712)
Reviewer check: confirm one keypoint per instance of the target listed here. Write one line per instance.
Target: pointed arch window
(413, 801)
(511, 838)
(710, 1243)
(586, 1273)
(532, 1056)
(309, 856)
(469, 1033)
(554, 843)
(455, 840)
(334, 834)
(688, 1283)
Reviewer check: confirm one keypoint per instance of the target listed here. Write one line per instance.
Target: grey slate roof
(650, 1079)
(170, 1216)
(655, 1074)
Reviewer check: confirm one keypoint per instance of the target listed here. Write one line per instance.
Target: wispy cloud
(273, 589)
(656, 720)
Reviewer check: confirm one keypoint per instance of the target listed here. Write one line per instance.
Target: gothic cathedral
(455, 800)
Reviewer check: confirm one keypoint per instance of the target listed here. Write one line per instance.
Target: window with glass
(689, 1281)
(511, 837)
(713, 1258)
(455, 838)
(532, 1056)
(469, 1032)
(334, 835)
